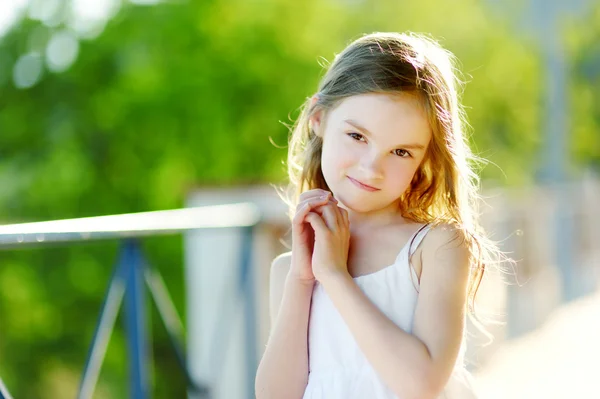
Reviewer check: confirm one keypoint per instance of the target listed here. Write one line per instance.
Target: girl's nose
(370, 166)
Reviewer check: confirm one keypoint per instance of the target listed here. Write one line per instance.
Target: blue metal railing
(3, 391)
(132, 275)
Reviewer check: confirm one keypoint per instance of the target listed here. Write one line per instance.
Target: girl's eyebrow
(364, 130)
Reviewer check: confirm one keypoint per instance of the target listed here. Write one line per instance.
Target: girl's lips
(363, 186)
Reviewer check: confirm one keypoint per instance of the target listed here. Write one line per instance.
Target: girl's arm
(416, 365)
(283, 370)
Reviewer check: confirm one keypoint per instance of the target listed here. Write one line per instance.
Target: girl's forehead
(385, 115)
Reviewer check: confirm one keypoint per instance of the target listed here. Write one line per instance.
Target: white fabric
(337, 367)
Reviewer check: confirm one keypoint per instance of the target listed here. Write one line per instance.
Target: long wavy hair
(445, 187)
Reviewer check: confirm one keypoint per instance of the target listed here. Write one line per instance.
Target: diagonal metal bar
(3, 391)
(164, 303)
(173, 325)
(106, 322)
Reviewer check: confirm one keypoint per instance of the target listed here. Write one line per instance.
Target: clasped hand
(319, 214)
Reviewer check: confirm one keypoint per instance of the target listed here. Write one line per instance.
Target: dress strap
(416, 239)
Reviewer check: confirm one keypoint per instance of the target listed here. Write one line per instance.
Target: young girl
(386, 248)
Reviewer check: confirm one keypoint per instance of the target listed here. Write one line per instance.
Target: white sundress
(337, 367)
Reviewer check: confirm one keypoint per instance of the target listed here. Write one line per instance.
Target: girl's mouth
(362, 185)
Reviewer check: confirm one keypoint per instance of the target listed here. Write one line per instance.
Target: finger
(311, 194)
(346, 218)
(330, 217)
(301, 212)
(316, 223)
(322, 199)
(341, 218)
(319, 208)
(315, 193)
(316, 203)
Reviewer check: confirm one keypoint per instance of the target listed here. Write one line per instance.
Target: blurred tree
(128, 109)
(584, 91)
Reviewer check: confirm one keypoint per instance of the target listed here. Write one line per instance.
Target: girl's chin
(359, 205)
(353, 205)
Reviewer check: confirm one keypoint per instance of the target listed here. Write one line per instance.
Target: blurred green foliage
(177, 96)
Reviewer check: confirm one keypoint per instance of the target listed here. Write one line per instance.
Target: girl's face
(378, 140)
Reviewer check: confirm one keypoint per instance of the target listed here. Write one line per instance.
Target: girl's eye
(356, 136)
(402, 153)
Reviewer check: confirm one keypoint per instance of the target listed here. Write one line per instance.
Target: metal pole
(555, 160)
(247, 289)
(135, 320)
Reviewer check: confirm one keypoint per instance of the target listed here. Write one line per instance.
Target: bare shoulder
(444, 237)
(281, 264)
(444, 246)
(445, 252)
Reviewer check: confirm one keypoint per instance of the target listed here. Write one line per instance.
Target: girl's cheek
(349, 158)
(400, 176)
(345, 153)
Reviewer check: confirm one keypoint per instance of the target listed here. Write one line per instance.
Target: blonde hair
(393, 63)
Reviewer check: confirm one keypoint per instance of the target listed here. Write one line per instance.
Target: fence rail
(132, 274)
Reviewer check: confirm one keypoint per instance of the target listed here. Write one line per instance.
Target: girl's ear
(315, 118)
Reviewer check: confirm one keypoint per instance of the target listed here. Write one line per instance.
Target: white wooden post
(215, 328)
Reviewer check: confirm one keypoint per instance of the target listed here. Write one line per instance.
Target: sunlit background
(112, 106)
